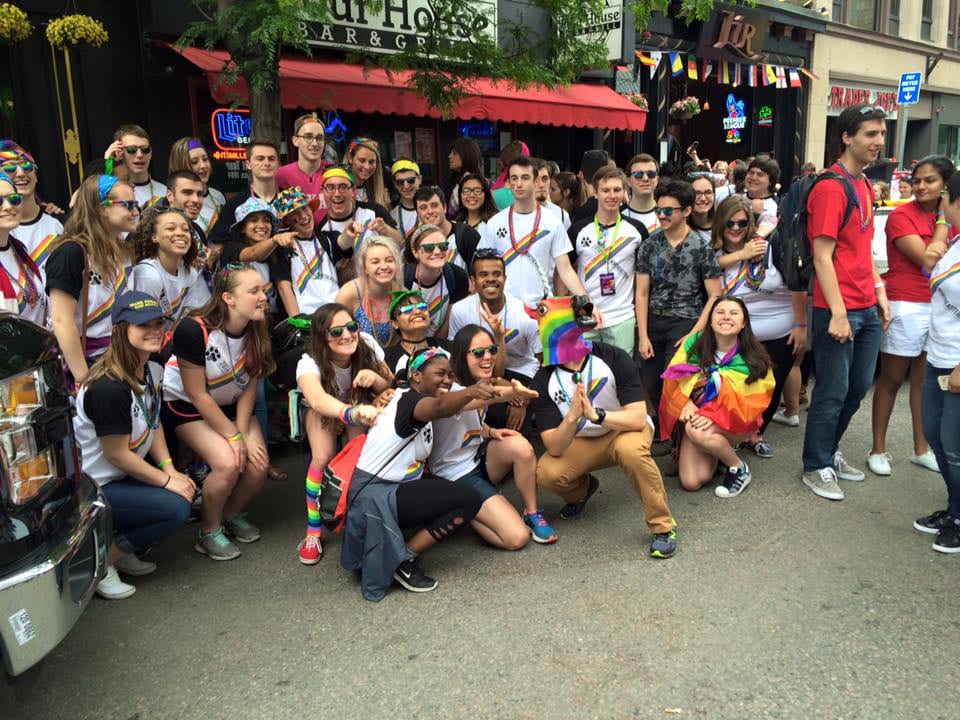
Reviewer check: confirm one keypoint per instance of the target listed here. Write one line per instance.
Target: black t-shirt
(107, 404)
(64, 270)
(455, 277)
(274, 262)
(188, 342)
(405, 424)
(467, 240)
(396, 357)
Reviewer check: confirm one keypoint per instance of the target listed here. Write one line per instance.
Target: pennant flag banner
(752, 75)
(676, 64)
(656, 56)
(737, 77)
(692, 67)
(645, 59)
(725, 72)
(794, 78)
(771, 75)
(809, 74)
(707, 69)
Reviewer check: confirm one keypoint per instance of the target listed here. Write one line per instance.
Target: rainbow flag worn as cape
(727, 399)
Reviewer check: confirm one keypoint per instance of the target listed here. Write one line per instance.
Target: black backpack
(792, 249)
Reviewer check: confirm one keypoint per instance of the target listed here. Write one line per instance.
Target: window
(948, 142)
(893, 18)
(837, 15)
(953, 37)
(926, 19)
(863, 13)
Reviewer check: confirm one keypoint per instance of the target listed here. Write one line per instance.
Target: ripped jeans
(440, 506)
(941, 428)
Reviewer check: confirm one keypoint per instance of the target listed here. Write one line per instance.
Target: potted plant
(14, 24)
(639, 99)
(76, 31)
(685, 108)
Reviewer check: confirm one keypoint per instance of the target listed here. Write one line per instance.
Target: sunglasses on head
(13, 198)
(870, 110)
(430, 247)
(11, 167)
(737, 224)
(130, 205)
(407, 309)
(640, 174)
(666, 211)
(481, 351)
(409, 181)
(487, 254)
(132, 149)
(336, 331)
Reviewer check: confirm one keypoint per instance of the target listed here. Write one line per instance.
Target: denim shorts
(478, 480)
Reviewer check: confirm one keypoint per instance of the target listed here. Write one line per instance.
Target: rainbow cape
(727, 399)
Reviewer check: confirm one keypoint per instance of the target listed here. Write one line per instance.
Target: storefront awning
(334, 85)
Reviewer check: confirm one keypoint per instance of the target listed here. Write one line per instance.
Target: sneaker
(761, 448)
(948, 539)
(879, 463)
(734, 482)
(664, 545)
(804, 399)
(112, 587)
(575, 511)
(661, 448)
(781, 418)
(310, 550)
(928, 460)
(844, 470)
(540, 529)
(216, 545)
(130, 564)
(933, 524)
(409, 574)
(823, 482)
(241, 530)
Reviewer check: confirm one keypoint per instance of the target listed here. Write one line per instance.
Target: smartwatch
(601, 416)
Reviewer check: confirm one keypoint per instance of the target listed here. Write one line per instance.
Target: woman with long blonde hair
(188, 153)
(88, 269)
(379, 272)
(363, 158)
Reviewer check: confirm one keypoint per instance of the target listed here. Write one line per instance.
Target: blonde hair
(103, 248)
(380, 241)
(120, 361)
(180, 155)
(376, 190)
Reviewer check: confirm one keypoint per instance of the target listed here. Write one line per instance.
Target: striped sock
(314, 476)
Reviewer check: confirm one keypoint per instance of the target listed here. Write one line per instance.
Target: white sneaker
(928, 460)
(781, 417)
(879, 463)
(130, 564)
(112, 587)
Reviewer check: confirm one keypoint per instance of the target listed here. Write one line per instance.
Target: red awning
(352, 88)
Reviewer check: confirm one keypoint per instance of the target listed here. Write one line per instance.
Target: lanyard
(31, 294)
(576, 379)
(601, 238)
(152, 422)
(233, 367)
(513, 237)
(866, 216)
(319, 255)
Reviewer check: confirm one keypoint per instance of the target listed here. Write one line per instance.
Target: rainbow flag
(676, 64)
(726, 398)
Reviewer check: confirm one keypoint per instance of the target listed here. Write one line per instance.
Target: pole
(902, 117)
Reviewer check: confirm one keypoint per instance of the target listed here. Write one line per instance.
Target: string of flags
(725, 72)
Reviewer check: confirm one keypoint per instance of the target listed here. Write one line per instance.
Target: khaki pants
(566, 475)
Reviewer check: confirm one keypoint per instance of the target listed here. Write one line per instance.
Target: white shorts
(909, 327)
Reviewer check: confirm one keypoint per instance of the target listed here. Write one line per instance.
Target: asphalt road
(779, 604)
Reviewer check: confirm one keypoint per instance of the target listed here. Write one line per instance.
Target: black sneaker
(409, 574)
(575, 511)
(948, 539)
(932, 524)
(734, 482)
(664, 545)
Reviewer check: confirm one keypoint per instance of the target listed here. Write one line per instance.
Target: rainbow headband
(426, 356)
(563, 320)
(401, 165)
(11, 152)
(337, 172)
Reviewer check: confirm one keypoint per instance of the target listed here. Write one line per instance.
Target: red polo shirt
(853, 257)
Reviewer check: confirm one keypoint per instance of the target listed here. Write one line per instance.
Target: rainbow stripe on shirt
(602, 258)
(136, 444)
(308, 271)
(470, 435)
(940, 278)
(228, 377)
(42, 251)
(414, 471)
(596, 386)
(524, 246)
(436, 305)
(510, 334)
(99, 313)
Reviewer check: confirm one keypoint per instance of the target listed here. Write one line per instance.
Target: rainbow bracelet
(346, 415)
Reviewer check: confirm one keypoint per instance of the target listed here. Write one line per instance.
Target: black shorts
(174, 413)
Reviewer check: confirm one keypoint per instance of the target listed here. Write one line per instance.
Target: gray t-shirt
(677, 274)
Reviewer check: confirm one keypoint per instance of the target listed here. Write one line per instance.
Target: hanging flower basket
(76, 31)
(639, 99)
(685, 108)
(14, 24)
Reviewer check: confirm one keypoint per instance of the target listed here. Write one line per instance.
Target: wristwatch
(601, 416)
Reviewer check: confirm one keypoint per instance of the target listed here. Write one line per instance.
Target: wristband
(346, 415)
(800, 325)
(941, 213)
(235, 438)
(163, 463)
(167, 482)
(943, 222)
(879, 284)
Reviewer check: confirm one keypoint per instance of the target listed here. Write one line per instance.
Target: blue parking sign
(909, 92)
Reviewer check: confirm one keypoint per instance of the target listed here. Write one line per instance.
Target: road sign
(909, 92)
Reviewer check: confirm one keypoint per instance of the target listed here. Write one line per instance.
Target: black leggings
(663, 332)
(782, 355)
(439, 506)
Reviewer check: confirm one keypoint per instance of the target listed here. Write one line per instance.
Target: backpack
(792, 249)
(449, 278)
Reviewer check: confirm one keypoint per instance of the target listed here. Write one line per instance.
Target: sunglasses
(406, 182)
(351, 327)
(132, 149)
(130, 205)
(666, 211)
(11, 168)
(481, 351)
(13, 198)
(430, 247)
(868, 110)
(737, 224)
(640, 174)
(487, 254)
(407, 309)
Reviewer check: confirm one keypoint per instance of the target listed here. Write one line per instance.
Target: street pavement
(778, 604)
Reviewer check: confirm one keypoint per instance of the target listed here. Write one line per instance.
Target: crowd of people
(609, 316)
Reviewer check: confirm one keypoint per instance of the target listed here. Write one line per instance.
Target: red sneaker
(309, 550)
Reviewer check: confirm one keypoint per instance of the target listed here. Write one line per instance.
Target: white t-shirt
(221, 357)
(38, 236)
(313, 275)
(943, 342)
(177, 294)
(149, 193)
(560, 212)
(362, 215)
(522, 338)
(770, 306)
(110, 407)
(530, 257)
(605, 257)
(31, 299)
(343, 376)
(437, 298)
(406, 220)
(648, 219)
(457, 443)
(398, 446)
(213, 203)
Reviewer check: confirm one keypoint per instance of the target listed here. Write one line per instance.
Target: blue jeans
(844, 375)
(941, 428)
(143, 515)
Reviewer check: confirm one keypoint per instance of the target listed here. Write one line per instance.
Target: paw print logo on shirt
(95, 279)
(213, 354)
(586, 242)
(559, 396)
(427, 434)
(501, 233)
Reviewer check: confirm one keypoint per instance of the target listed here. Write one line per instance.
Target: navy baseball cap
(136, 308)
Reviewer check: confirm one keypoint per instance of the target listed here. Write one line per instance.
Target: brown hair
(642, 158)
(103, 248)
(567, 180)
(318, 349)
(263, 142)
(608, 172)
(131, 129)
(143, 245)
(120, 361)
(754, 354)
(180, 156)
(730, 206)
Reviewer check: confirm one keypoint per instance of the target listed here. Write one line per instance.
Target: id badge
(608, 285)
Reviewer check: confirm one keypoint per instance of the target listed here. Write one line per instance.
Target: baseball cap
(136, 308)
